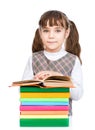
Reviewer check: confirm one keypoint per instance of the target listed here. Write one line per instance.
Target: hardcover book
(52, 81)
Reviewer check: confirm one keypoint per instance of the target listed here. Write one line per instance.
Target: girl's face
(53, 37)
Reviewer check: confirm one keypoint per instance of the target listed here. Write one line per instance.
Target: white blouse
(76, 75)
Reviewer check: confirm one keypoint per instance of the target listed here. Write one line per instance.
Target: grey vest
(63, 65)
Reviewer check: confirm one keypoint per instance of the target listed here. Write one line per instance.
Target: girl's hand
(42, 75)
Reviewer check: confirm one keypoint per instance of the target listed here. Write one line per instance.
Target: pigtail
(37, 42)
(72, 43)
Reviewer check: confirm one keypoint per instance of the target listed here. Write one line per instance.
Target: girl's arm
(77, 80)
(28, 72)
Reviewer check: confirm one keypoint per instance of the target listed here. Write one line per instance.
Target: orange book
(44, 112)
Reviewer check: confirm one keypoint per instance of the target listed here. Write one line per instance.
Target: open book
(52, 81)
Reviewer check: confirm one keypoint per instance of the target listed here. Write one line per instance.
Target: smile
(52, 42)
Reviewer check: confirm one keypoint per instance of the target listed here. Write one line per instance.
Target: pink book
(44, 108)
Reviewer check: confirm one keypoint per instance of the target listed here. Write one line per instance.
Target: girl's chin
(52, 50)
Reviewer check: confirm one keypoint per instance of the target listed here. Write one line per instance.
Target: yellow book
(45, 95)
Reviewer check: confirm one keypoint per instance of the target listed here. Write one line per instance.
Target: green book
(38, 89)
(45, 99)
(39, 122)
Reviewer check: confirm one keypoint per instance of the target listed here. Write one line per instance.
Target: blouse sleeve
(77, 79)
(28, 72)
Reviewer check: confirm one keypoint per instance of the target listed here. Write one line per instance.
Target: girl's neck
(55, 55)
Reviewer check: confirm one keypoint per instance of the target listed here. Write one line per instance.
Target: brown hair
(58, 18)
(72, 42)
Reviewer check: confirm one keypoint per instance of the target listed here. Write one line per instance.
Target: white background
(18, 22)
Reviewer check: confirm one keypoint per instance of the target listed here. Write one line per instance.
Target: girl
(56, 51)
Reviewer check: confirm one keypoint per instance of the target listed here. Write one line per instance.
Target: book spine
(45, 95)
(39, 122)
(38, 89)
(44, 108)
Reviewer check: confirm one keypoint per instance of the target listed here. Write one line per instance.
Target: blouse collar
(55, 55)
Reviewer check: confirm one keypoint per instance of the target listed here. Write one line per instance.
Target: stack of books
(43, 107)
(44, 104)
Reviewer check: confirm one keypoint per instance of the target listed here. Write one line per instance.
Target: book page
(60, 78)
(26, 83)
(58, 83)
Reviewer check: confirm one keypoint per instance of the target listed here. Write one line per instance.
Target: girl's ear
(67, 33)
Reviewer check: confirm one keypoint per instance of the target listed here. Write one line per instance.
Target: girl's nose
(51, 34)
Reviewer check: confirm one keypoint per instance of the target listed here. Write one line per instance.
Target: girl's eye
(58, 30)
(45, 30)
